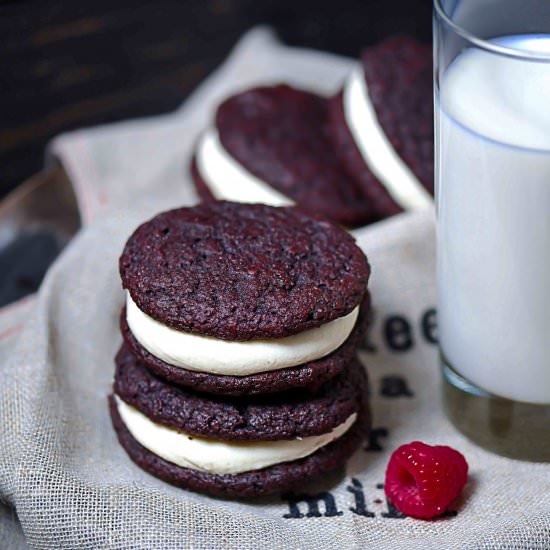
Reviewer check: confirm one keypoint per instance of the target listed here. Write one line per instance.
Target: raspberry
(421, 480)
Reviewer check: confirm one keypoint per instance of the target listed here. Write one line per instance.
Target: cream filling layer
(217, 456)
(376, 149)
(208, 354)
(229, 180)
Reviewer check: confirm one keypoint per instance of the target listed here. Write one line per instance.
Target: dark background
(79, 63)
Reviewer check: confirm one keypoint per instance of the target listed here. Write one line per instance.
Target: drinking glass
(492, 122)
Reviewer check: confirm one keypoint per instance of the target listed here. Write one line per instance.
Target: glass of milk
(492, 113)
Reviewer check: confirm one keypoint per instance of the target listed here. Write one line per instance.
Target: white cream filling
(229, 180)
(208, 354)
(376, 149)
(217, 456)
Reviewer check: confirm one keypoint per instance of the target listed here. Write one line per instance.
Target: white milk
(494, 220)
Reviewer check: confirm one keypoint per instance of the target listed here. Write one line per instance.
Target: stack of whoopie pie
(361, 156)
(238, 375)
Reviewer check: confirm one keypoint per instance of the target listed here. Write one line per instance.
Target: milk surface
(493, 191)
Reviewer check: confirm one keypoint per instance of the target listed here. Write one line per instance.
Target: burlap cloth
(64, 480)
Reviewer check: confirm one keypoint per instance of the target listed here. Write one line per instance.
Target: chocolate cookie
(265, 418)
(399, 77)
(280, 135)
(309, 375)
(278, 478)
(243, 271)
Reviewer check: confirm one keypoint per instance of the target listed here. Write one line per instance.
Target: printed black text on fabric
(400, 334)
(324, 504)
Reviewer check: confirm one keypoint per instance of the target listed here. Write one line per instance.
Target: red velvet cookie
(398, 73)
(309, 376)
(280, 135)
(243, 271)
(289, 415)
(274, 479)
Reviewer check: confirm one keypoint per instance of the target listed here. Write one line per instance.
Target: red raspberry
(421, 480)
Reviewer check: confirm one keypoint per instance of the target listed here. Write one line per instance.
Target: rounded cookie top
(280, 135)
(399, 77)
(243, 271)
(266, 418)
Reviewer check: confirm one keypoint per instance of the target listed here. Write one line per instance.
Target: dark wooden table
(67, 64)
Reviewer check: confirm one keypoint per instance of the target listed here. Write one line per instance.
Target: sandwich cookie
(381, 125)
(233, 289)
(236, 448)
(271, 145)
(310, 375)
